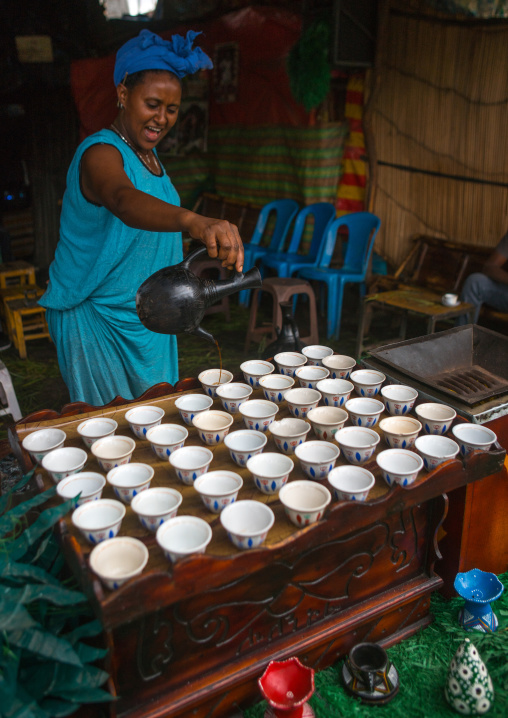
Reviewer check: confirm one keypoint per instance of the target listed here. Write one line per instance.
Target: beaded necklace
(142, 157)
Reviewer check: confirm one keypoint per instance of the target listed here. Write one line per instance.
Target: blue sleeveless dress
(103, 349)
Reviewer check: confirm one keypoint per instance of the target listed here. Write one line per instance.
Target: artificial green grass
(422, 662)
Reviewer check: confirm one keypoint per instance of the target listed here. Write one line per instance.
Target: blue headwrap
(149, 51)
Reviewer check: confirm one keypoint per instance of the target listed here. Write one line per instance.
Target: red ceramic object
(287, 685)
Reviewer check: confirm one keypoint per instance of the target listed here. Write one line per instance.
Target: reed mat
(422, 662)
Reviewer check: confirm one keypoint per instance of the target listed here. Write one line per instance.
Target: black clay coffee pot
(288, 336)
(173, 300)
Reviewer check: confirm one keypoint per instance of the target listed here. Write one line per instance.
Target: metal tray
(469, 363)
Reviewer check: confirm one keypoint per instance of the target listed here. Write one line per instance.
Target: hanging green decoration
(309, 67)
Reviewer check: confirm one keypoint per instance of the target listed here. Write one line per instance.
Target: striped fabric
(351, 192)
(259, 164)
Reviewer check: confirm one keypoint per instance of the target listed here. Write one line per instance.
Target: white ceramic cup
(213, 426)
(63, 462)
(400, 432)
(210, 379)
(189, 462)
(244, 443)
(119, 559)
(315, 354)
(472, 437)
(156, 505)
(88, 485)
(182, 536)
(304, 501)
(434, 450)
(398, 398)
(367, 382)
(93, 429)
(99, 520)
(41, 442)
(247, 523)
(435, 418)
(142, 418)
(113, 451)
(166, 438)
(326, 421)
(340, 365)
(309, 376)
(399, 466)
(357, 444)
(335, 392)
(351, 483)
(364, 411)
(288, 433)
(288, 362)
(275, 386)
(317, 458)
(233, 394)
(129, 480)
(218, 489)
(270, 471)
(300, 401)
(254, 369)
(258, 414)
(190, 405)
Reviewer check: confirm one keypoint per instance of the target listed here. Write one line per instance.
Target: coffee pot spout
(200, 332)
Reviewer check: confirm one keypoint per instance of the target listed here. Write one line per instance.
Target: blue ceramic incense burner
(479, 589)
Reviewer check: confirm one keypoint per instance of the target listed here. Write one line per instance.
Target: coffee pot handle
(192, 256)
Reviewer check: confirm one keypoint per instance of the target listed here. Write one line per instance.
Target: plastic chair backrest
(363, 228)
(285, 210)
(323, 213)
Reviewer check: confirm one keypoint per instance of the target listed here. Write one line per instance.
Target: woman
(121, 222)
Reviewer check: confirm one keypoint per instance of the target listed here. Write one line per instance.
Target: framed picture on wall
(225, 72)
(190, 134)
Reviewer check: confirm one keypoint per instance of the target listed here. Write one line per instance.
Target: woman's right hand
(221, 238)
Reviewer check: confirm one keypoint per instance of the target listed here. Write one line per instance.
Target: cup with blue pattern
(183, 536)
(367, 382)
(142, 418)
(254, 369)
(317, 458)
(189, 462)
(247, 523)
(435, 418)
(270, 471)
(300, 401)
(399, 466)
(218, 489)
(258, 414)
(399, 399)
(213, 426)
(156, 505)
(363, 411)
(233, 395)
(288, 433)
(166, 438)
(275, 386)
(189, 405)
(245, 443)
(335, 392)
(357, 444)
(400, 432)
(129, 480)
(99, 520)
(117, 560)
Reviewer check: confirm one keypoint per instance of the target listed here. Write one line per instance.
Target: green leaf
(15, 570)
(56, 708)
(14, 616)
(45, 645)
(87, 630)
(45, 521)
(86, 695)
(35, 592)
(4, 500)
(89, 654)
(9, 520)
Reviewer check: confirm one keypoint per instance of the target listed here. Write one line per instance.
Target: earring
(119, 105)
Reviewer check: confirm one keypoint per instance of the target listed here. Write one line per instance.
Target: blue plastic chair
(285, 210)
(363, 228)
(286, 263)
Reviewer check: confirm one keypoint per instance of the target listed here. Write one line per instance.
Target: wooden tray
(192, 638)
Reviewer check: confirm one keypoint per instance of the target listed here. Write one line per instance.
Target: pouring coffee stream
(173, 300)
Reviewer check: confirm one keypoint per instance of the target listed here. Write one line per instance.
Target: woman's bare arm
(104, 182)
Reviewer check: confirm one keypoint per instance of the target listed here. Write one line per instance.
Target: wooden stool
(26, 320)
(29, 292)
(202, 267)
(16, 273)
(281, 289)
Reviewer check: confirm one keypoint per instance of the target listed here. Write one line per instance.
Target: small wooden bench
(433, 266)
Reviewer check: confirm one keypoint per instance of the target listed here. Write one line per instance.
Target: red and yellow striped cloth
(351, 190)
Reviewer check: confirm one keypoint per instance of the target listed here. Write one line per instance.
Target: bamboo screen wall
(441, 106)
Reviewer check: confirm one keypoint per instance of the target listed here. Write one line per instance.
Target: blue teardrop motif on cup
(353, 498)
(405, 482)
(403, 443)
(326, 401)
(274, 485)
(280, 396)
(250, 543)
(362, 392)
(251, 381)
(91, 538)
(358, 456)
(297, 413)
(134, 493)
(427, 428)
(194, 476)
(404, 409)
(426, 463)
(258, 483)
(111, 533)
(217, 438)
(216, 504)
(168, 452)
(359, 422)
(443, 430)
(311, 471)
(285, 445)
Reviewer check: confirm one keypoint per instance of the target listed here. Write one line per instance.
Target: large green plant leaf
(86, 695)
(87, 630)
(23, 572)
(54, 594)
(9, 520)
(6, 500)
(48, 518)
(45, 645)
(14, 616)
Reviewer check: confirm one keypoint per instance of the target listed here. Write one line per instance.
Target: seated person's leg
(479, 289)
